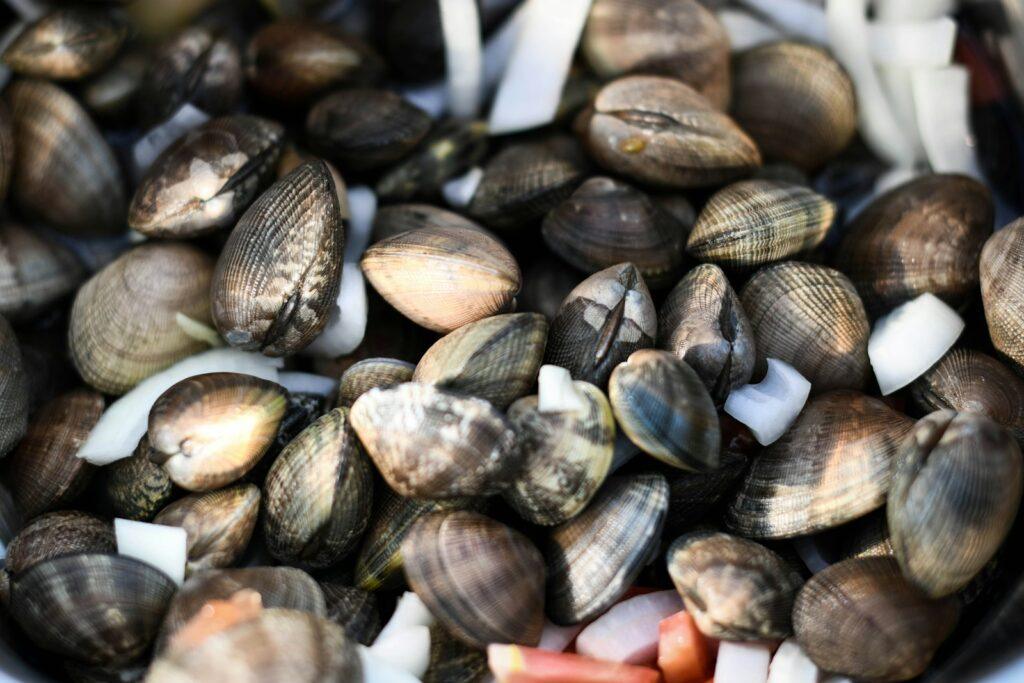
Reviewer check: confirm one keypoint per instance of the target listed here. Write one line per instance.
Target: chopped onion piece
(796, 17)
(911, 339)
(912, 10)
(164, 547)
(460, 26)
(770, 407)
(431, 98)
(124, 422)
(555, 638)
(791, 665)
(362, 207)
(809, 550)
(498, 48)
(916, 44)
(746, 31)
(307, 383)
(742, 662)
(531, 88)
(198, 330)
(407, 649)
(409, 612)
(556, 392)
(628, 632)
(458, 192)
(376, 669)
(942, 100)
(150, 145)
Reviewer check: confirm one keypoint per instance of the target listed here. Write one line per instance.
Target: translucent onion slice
(899, 89)
(458, 192)
(431, 98)
(555, 638)
(742, 662)
(913, 10)
(791, 665)
(164, 547)
(498, 48)
(795, 17)
(556, 392)
(307, 383)
(745, 31)
(914, 44)
(199, 331)
(770, 407)
(150, 145)
(409, 612)
(407, 649)
(460, 26)
(628, 632)
(377, 669)
(942, 102)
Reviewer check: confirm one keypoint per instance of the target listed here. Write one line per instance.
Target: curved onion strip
(628, 632)
(199, 331)
(307, 383)
(458, 192)
(460, 25)
(942, 102)
(746, 31)
(795, 17)
(914, 44)
(912, 10)
(431, 98)
(498, 48)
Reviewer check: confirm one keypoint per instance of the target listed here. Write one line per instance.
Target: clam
(566, 456)
(442, 277)
(279, 272)
(110, 95)
(432, 443)
(923, 236)
(372, 373)
(692, 495)
(735, 589)
(664, 408)
(867, 537)
(58, 146)
(958, 476)
(861, 618)
(451, 150)
(595, 557)
(93, 608)
(318, 494)
(125, 319)
(703, 323)
(44, 471)
(483, 580)
(208, 430)
(365, 129)
(796, 102)
(1002, 284)
(604, 319)
(453, 661)
(496, 358)
(218, 524)
(7, 149)
(35, 271)
(10, 523)
(136, 487)
(397, 218)
(55, 534)
(754, 222)
(354, 610)
(832, 466)
(546, 282)
(67, 43)
(207, 177)
(660, 131)
(810, 317)
(606, 222)
(14, 383)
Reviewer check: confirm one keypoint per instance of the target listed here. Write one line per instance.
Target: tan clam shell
(833, 465)
(65, 532)
(136, 487)
(443, 277)
(1002, 290)
(124, 322)
(353, 609)
(67, 43)
(35, 271)
(13, 390)
(371, 373)
(218, 524)
(811, 317)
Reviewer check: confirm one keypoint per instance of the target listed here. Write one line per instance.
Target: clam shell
(278, 275)
(14, 382)
(596, 556)
(861, 618)
(354, 610)
(483, 580)
(110, 95)
(397, 218)
(136, 487)
(692, 495)
(54, 534)
(546, 282)
(369, 374)
(451, 150)
(867, 537)
(35, 271)
(453, 661)
(810, 317)
(1002, 291)
(67, 43)
(443, 277)
(7, 149)
(832, 466)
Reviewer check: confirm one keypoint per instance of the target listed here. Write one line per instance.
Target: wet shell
(372, 373)
(442, 277)
(496, 358)
(664, 408)
(135, 486)
(566, 456)
(110, 95)
(318, 494)
(397, 218)
(796, 102)
(7, 148)
(1002, 290)
(692, 495)
(35, 271)
(208, 430)
(956, 488)
(279, 272)
(546, 282)
(124, 322)
(218, 524)
(67, 43)
(55, 534)
(453, 661)
(754, 222)
(923, 236)
(595, 557)
(703, 323)
(14, 382)
(97, 609)
(832, 466)
(451, 150)
(867, 537)
(810, 317)
(604, 319)
(861, 618)
(662, 132)
(734, 588)
(44, 471)
(606, 222)
(206, 178)
(430, 443)
(354, 610)
(65, 172)
(481, 579)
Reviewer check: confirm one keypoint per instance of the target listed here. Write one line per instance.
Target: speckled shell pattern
(1002, 290)
(372, 373)
(67, 43)
(136, 487)
(66, 532)
(867, 537)
(692, 495)
(353, 609)
(13, 390)
(35, 272)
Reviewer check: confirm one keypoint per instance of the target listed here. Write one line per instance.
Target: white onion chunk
(742, 662)
(555, 391)
(770, 407)
(158, 545)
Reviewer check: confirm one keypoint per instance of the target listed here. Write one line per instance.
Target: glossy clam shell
(596, 556)
(372, 373)
(795, 101)
(44, 471)
(136, 487)
(566, 456)
(208, 430)
(318, 494)
(431, 443)
(923, 236)
(735, 589)
(397, 218)
(867, 537)
(35, 271)
(702, 322)
(67, 43)
(811, 317)
(480, 578)
(662, 132)
(861, 618)
(1002, 291)
(354, 610)
(218, 524)
(65, 172)
(604, 319)
(754, 222)
(443, 277)
(693, 495)
(956, 488)
(13, 390)
(833, 465)
(451, 150)
(54, 534)
(207, 177)
(496, 358)
(278, 275)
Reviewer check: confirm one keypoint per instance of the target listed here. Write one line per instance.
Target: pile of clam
(281, 339)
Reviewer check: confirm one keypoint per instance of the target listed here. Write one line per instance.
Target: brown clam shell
(67, 43)
(693, 495)
(218, 524)
(65, 532)
(136, 487)
(1002, 290)
(354, 610)
(372, 373)
(453, 661)
(451, 150)
(110, 94)
(13, 390)
(35, 271)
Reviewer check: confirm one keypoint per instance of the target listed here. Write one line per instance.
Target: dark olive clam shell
(35, 271)
(449, 151)
(136, 487)
(14, 379)
(65, 532)
(353, 609)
